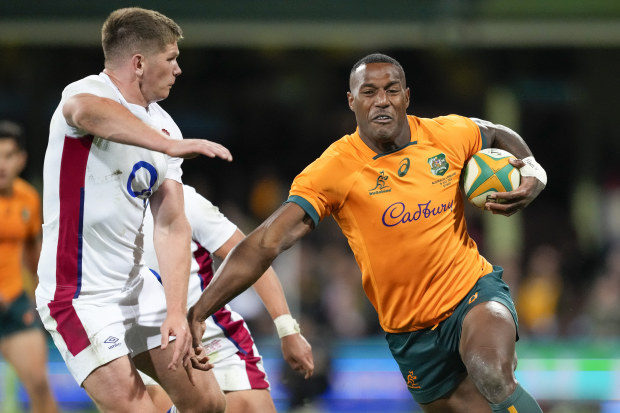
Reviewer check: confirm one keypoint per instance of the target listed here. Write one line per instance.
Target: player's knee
(37, 386)
(216, 403)
(493, 376)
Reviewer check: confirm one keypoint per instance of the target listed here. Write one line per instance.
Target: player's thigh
(203, 395)
(22, 342)
(465, 398)
(26, 351)
(488, 339)
(489, 330)
(117, 387)
(250, 401)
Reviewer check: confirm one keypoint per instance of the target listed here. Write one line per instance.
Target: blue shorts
(429, 359)
(18, 316)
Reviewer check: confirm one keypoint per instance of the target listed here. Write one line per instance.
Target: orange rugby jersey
(402, 213)
(20, 219)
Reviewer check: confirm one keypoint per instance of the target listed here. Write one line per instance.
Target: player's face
(379, 99)
(160, 71)
(12, 161)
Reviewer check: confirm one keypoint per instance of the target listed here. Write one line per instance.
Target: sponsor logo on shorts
(28, 317)
(213, 346)
(473, 298)
(114, 341)
(411, 381)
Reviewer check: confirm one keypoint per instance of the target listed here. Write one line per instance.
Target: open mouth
(382, 118)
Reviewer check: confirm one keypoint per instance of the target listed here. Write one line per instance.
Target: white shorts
(237, 365)
(95, 330)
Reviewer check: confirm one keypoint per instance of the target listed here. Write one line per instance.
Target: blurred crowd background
(269, 80)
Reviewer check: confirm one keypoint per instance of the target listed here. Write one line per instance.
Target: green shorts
(429, 359)
(18, 316)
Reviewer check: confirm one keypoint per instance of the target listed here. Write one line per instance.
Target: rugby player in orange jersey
(22, 340)
(393, 188)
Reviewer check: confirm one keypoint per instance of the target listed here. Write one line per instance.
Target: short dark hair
(376, 58)
(11, 130)
(134, 30)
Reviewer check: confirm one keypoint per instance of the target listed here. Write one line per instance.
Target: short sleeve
(210, 228)
(459, 135)
(174, 169)
(320, 189)
(170, 128)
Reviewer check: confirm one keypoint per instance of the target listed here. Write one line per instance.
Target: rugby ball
(489, 171)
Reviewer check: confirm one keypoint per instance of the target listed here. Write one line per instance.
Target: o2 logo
(137, 185)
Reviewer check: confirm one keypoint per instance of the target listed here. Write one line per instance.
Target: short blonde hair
(134, 30)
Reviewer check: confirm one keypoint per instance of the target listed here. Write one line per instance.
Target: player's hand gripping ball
(489, 171)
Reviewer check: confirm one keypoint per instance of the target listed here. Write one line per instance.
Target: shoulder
(336, 166)
(158, 111)
(26, 194)
(94, 85)
(455, 135)
(447, 121)
(169, 126)
(25, 189)
(343, 153)
(331, 163)
(335, 169)
(446, 129)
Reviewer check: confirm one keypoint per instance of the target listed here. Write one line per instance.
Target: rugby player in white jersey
(237, 364)
(112, 150)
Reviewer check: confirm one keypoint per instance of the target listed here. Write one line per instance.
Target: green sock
(519, 402)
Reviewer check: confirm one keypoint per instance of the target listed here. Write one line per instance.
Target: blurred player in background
(22, 341)
(112, 149)
(237, 364)
(393, 188)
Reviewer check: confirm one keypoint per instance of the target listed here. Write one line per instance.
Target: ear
(23, 157)
(350, 98)
(137, 64)
(408, 96)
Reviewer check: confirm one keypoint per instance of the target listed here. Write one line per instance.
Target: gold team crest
(439, 164)
(412, 381)
(381, 185)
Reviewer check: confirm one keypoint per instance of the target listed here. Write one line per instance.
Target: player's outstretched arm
(248, 261)
(533, 176)
(295, 348)
(110, 120)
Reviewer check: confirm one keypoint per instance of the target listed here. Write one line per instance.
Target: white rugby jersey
(94, 201)
(210, 230)
(227, 339)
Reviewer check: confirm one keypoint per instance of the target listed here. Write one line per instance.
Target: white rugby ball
(488, 171)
